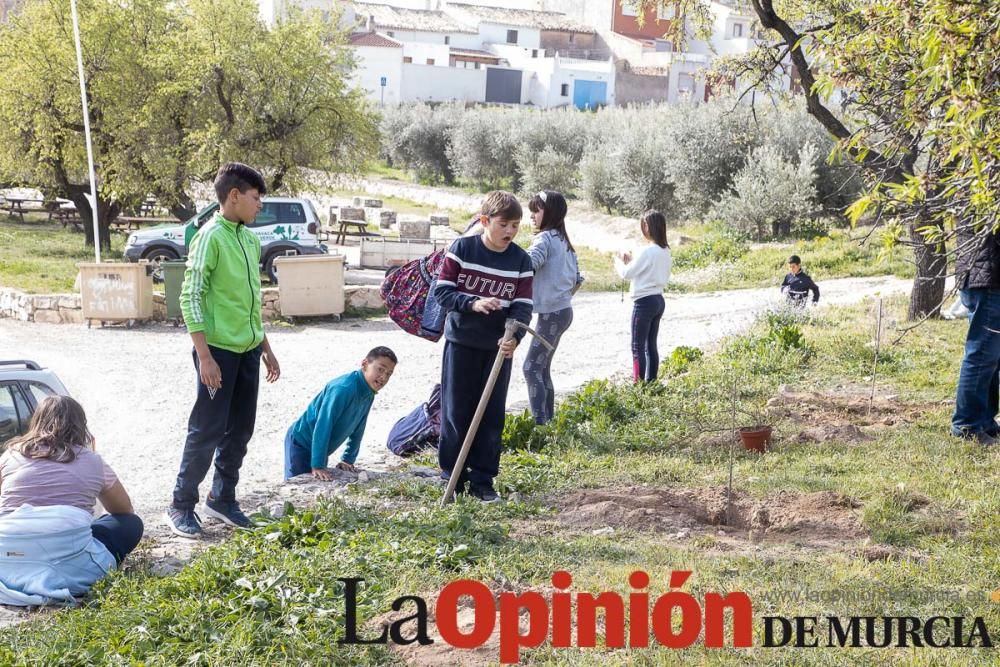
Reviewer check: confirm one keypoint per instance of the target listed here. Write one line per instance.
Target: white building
(379, 70)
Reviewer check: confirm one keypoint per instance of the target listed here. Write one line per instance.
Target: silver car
(23, 385)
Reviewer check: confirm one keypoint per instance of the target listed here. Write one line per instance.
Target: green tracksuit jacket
(221, 292)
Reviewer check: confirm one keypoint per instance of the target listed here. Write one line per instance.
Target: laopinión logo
(553, 620)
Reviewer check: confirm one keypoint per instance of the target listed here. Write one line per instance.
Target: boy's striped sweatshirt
(472, 271)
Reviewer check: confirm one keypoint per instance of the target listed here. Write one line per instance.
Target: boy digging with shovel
(484, 280)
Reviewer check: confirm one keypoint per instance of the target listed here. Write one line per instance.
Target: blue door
(590, 94)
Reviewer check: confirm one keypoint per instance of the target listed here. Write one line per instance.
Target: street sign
(383, 81)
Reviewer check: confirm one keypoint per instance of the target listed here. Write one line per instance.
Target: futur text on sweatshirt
(472, 271)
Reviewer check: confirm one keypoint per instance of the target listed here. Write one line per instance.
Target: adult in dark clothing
(977, 275)
(797, 284)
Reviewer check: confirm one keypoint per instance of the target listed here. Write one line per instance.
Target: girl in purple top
(54, 463)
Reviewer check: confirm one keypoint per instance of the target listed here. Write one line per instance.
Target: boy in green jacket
(337, 414)
(220, 300)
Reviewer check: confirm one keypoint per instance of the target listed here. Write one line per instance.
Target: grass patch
(272, 595)
(725, 263)
(39, 257)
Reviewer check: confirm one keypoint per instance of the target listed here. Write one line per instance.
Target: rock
(363, 476)
(366, 202)
(415, 229)
(514, 497)
(48, 316)
(364, 296)
(438, 220)
(277, 510)
(167, 566)
(386, 219)
(443, 233)
(351, 213)
(607, 530)
(682, 534)
(71, 316)
(423, 471)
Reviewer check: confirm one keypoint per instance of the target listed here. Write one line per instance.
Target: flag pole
(86, 132)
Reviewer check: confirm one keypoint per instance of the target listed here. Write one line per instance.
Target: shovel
(510, 328)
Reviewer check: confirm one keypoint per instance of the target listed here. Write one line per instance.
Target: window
(283, 213)
(665, 13)
(39, 392)
(534, 53)
(737, 30)
(407, 59)
(628, 10)
(447, 39)
(564, 90)
(477, 65)
(13, 412)
(572, 37)
(512, 36)
(391, 33)
(430, 61)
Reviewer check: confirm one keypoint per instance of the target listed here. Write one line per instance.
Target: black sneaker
(484, 493)
(226, 512)
(184, 522)
(980, 437)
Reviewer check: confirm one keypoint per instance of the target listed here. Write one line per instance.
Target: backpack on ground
(408, 296)
(418, 430)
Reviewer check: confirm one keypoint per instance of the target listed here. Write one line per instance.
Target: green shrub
(520, 432)
(770, 193)
(680, 360)
(714, 248)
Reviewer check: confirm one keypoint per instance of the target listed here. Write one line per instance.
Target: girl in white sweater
(649, 273)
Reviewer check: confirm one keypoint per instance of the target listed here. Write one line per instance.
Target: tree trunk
(107, 210)
(932, 267)
(185, 207)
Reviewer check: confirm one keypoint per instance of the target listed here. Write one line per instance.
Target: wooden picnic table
(15, 206)
(125, 223)
(344, 226)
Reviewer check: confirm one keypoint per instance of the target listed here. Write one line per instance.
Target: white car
(285, 226)
(23, 385)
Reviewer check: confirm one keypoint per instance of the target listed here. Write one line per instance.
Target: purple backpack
(418, 430)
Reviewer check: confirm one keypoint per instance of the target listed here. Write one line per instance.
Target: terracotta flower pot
(755, 438)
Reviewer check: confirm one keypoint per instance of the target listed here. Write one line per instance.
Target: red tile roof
(373, 39)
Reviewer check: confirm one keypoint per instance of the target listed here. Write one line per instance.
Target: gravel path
(137, 385)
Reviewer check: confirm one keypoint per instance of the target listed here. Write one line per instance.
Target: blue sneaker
(184, 523)
(226, 512)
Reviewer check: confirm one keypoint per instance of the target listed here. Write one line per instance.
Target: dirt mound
(846, 407)
(839, 415)
(811, 519)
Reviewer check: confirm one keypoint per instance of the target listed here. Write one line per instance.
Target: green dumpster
(173, 279)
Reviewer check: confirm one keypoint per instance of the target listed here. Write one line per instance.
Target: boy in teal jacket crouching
(338, 413)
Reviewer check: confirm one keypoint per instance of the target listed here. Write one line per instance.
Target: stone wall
(66, 308)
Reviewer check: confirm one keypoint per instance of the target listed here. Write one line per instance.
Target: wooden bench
(125, 223)
(360, 228)
(16, 207)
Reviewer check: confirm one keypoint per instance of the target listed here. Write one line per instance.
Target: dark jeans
(646, 314)
(120, 533)
(538, 363)
(220, 425)
(298, 459)
(464, 371)
(978, 393)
